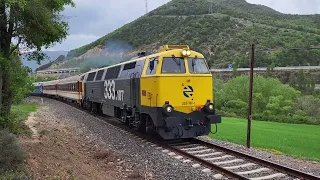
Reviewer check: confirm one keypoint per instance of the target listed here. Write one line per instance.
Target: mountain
(32, 63)
(220, 29)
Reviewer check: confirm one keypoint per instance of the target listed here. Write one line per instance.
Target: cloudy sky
(92, 19)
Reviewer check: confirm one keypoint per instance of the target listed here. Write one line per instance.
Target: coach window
(152, 66)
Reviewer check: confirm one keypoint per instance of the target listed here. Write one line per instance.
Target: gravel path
(140, 155)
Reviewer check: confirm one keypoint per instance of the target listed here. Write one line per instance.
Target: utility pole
(211, 7)
(250, 95)
(146, 6)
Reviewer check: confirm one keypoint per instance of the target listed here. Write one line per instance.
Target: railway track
(231, 163)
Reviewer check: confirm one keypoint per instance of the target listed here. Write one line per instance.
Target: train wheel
(89, 106)
(95, 108)
(146, 124)
(143, 122)
(150, 128)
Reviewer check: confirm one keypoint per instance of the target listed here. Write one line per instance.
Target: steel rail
(278, 167)
(272, 165)
(207, 163)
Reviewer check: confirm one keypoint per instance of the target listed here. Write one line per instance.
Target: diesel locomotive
(169, 92)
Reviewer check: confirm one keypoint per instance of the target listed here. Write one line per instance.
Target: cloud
(291, 6)
(91, 19)
(74, 41)
(100, 17)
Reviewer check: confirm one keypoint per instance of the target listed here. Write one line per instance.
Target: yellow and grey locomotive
(170, 92)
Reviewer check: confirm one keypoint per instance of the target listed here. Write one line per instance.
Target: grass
(13, 175)
(23, 110)
(20, 113)
(12, 155)
(300, 141)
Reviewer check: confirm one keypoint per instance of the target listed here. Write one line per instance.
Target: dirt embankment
(56, 151)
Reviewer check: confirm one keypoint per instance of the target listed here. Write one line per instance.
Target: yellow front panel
(149, 91)
(185, 93)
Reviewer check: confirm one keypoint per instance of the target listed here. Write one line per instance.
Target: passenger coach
(37, 88)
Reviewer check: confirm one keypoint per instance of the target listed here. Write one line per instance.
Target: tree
(269, 74)
(303, 82)
(268, 94)
(33, 24)
(21, 83)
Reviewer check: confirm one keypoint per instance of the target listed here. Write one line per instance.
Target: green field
(302, 141)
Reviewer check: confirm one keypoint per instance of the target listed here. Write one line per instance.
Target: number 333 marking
(110, 92)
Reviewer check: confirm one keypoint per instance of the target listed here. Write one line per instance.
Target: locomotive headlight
(167, 109)
(186, 53)
(211, 107)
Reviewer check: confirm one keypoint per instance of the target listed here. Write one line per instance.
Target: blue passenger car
(37, 88)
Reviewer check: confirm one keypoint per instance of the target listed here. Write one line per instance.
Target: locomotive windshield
(197, 65)
(173, 65)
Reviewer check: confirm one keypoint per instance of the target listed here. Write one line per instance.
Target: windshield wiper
(176, 61)
(194, 62)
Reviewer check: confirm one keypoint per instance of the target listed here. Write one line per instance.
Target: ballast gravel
(311, 167)
(141, 155)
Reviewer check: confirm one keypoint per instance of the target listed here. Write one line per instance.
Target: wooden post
(250, 96)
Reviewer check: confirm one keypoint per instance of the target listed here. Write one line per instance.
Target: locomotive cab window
(197, 66)
(152, 66)
(174, 65)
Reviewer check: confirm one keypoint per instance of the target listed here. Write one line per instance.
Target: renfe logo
(188, 91)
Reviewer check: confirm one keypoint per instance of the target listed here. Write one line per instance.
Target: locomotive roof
(164, 51)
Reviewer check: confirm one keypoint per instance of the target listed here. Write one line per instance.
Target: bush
(11, 153)
(310, 105)
(269, 94)
(272, 101)
(18, 114)
(16, 175)
(13, 123)
(295, 119)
